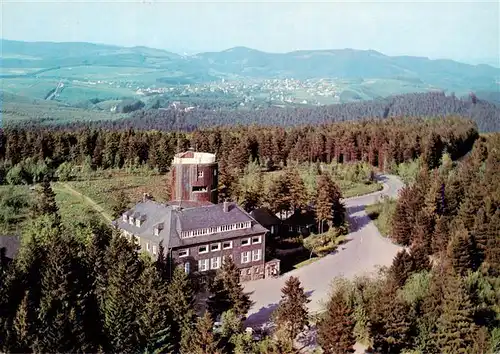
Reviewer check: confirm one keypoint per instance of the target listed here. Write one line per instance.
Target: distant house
(268, 219)
(301, 223)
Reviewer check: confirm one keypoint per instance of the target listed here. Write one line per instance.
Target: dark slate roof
(301, 218)
(177, 220)
(265, 217)
(210, 216)
(10, 245)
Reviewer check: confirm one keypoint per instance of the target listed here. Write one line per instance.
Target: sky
(466, 31)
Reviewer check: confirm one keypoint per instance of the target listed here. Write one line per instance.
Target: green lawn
(353, 189)
(102, 190)
(381, 214)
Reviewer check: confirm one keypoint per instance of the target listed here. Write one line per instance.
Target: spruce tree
(203, 339)
(120, 203)
(298, 192)
(455, 327)
(154, 318)
(180, 297)
(461, 251)
(401, 268)
(291, 315)
(227, 291)
(121, 305)
(336, 329)
(492, 252)
(390, 323)
(46, 204)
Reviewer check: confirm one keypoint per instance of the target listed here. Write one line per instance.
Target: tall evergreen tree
(336, 329)
(46, 203)
(203, 340)
(227, 291)
(401, 268)
(154, 318)
(455, 327)
(121, 305)
(180, 296)
(461, 251)
(291, 315)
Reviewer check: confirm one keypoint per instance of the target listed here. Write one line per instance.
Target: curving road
(365, 250)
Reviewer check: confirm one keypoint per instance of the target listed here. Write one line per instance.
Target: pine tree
(440, 237)
(154, 318)
(455, 327)
(420, 258)
(62, 327)
(121, 304)
(203, 340)
(461, 251)
(492, 253)
(46, 204)
(291, 315)
(480, 235)
(228, 292)
(120, 204)
(401, 268)
(336, 329)
(180, 298)
(298, 194)
(390, 323)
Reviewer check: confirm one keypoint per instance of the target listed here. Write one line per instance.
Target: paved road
(366, 250)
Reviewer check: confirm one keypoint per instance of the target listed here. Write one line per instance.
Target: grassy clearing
(354, 189)
(102, 190)
(381, 214)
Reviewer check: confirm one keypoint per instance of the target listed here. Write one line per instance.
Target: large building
(197, 233)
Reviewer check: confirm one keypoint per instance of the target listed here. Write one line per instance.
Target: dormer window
(157, 228)
(125, 217)
(138, 223)
(131, 220)
(157, 231)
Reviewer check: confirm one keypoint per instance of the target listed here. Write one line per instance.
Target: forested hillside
(434, 104)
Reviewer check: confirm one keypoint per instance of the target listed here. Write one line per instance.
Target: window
(215, 247)
(184, 253)
(256, 255)
(154, 249)
(256, 239)
(203, 249)
(124, 217)
(215, 263)
(200, 174)
(245, 242)
(157, 231)
(137, 223)
(199, 188)
(227, 245)
(245, 257)
(147, 247)
(203, 265)
(187, 267)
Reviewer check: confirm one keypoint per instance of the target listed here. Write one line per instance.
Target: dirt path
(86, 199)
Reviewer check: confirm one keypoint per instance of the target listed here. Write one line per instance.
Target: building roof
(194, 158)
(176, 220)
(265, 217)
(10, 245)
(301, 218)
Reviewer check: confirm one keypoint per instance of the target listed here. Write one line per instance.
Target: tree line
(30, 154)
(430, 104)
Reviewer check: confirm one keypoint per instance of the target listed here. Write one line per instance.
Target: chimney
(226, 207)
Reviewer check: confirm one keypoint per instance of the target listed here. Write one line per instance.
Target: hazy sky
(448, 29)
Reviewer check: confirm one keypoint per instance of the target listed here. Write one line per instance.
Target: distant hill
(245, 62)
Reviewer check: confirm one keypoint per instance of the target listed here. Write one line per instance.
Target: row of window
(215, 262)
(217, 229)
(226, 245)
